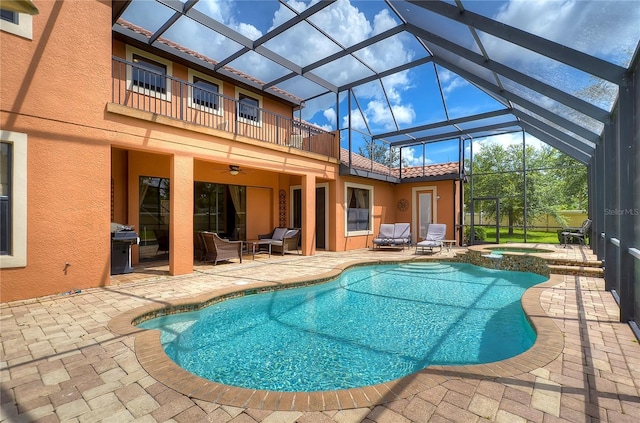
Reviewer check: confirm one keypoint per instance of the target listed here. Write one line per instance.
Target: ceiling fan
(234, 170)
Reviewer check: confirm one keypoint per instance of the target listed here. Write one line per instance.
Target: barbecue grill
(122, 238)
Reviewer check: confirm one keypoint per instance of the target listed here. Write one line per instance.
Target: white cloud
(404, 114)
(383, 21)
(414, 157)
(248, 31)
(330, 115)
(514, 138)
(450, 81)
(357, 121)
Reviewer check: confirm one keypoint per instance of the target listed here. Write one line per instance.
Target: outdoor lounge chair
(393, 235)
(576, 234)
(282, 240)
(435, 235)
(218, 249)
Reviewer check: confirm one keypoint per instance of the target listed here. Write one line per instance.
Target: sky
(605, 29)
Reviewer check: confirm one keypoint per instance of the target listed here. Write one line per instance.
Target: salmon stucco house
(106, 122)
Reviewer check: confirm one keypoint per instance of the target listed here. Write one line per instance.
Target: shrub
(480, 233)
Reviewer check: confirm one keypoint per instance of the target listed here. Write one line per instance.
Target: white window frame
(254, 96)
(348, 185)
(18, 256)
(24, 27)
(130, 51)
(194, 73)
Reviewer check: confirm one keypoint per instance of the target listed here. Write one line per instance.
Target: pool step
(577, 270)
(573, 262)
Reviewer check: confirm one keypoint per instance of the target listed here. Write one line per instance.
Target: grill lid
(115, 227)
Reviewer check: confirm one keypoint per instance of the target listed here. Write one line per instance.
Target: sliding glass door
(220, 208)
(217, 208)
(153, 217)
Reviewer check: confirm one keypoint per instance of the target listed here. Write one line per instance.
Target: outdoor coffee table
(253, 245)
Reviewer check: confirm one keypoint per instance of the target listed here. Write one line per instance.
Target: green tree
(554, 182)
(381, 152)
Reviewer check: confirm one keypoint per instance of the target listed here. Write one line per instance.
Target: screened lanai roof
(411, 72)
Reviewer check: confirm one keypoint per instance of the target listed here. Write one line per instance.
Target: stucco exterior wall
(56, 96)
(383, 212)
(443, 203)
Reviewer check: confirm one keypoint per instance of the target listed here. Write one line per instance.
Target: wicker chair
(218, 249)
(199, 250)
(162, 237)
(283, 240)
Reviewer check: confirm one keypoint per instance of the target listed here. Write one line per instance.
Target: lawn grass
(518, 236)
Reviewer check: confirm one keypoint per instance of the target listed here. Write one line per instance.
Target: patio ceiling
(412, 72)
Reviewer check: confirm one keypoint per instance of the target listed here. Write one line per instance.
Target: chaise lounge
(576, 234)
(393, 235)
(435, 234)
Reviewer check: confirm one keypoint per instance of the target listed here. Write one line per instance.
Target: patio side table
(255, 247)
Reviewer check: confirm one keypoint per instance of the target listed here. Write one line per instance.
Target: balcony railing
(144, 89)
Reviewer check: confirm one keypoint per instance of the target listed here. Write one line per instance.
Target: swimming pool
(373, 324)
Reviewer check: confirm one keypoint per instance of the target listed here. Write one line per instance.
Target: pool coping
(149, 352)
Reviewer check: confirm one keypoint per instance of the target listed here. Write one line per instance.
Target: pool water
(373, 324)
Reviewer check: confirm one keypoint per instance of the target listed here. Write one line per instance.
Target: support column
(598, 203)
(181, 215)
(308, 215)
(610, 203)
(627, 151)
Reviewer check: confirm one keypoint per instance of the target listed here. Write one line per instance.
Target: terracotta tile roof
(439, 169)
(148, 34)
(361, 162)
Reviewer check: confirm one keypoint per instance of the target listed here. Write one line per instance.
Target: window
(20, 24)
(5, 197)
(9, 16)
(149, 74)
(13, 199)
(220, 208)
(205, 94)
(248, 108)
(359, 206)
(154, 215)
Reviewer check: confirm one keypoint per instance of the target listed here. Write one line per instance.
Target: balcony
(150, 91)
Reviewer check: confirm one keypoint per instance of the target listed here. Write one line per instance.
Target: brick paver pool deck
(63, 358)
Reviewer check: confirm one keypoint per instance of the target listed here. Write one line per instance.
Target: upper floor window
(205, 94)
(359, 209)
(149, 74)
(248, 107)
(20, 24)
